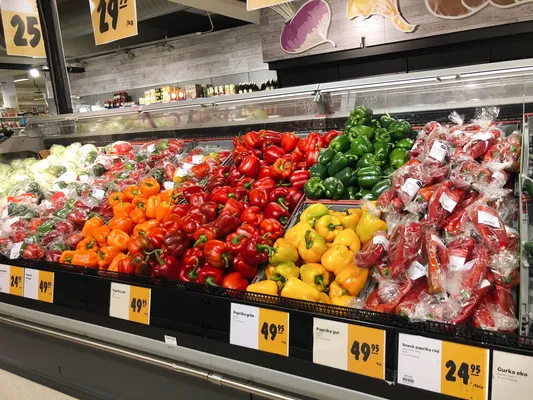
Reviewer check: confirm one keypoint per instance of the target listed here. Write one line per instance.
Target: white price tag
(84, 178)
(13, 220)
(499, 177)
(69, 176)
(511, 373)
(168, 185)
(4, 278)
(11, 280)
(180, 173)
(417, 270)
(131, 303)
(39, 285)
(380, 239)
(481, 136)
(457, 263)
(488, 219)
(151, 148)
(411, 187)
(187, 166)
(244, 326)
(15, 250)
(447, 202)
(197, 159)
(31, 283)
(438, 151)
(171, 340)
(98, 193)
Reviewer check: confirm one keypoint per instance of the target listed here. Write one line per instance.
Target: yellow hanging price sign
(131, 303)
(113, 20)
(11, 280)
(273, 331)
(366, 351)
(45, 290)
(22, 28)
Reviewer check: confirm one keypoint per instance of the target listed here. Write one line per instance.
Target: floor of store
(14, 387)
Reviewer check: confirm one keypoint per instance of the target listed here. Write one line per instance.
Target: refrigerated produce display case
(107, 334)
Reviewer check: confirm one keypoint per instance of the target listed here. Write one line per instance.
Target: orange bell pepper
(90, 225)
(121, 222)
(115, 198)
(139, 202)
(163, 211)
(152, 205)
(88, 244)
(106, 255)
(131, 192)
(122, 208)
(149, 187)
(119, 239)
(100, 234)
(80, 258)
(138, 216)
(146, 227)
(114, 264)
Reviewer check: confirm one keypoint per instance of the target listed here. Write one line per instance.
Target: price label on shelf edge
(131, 303)
(511, 373)
(22, 28)
(39, 285)
(444, 367)
(11, 280)
(113, 20)
(349, 347)
(259, 329)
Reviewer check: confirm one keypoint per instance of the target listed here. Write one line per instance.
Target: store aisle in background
(14, 387)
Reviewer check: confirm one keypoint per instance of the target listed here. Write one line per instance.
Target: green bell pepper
(361, 115)
(361, 145)
(124, 175)
(348, 125)
(334, 188)
(382, 135)
(325, 156)
(62, 213)
(397, 158)
(20, 210)
(46, 226)
(399, 129)
(406, 144)
(361, 130)
(347, 176)
(388, 171)
(367, 195)
(319, 170)
(314, 188)
(339, 162)
(340, 144)
(351, 193)
(159, 175)
(84, 187)
(381, 186)
(367, 177)
(369, 160)
(35, 189)
(386, 120)
(98, 170)
(381, 151)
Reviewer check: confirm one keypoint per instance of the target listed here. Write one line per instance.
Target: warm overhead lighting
(21, 79)
(34, 72)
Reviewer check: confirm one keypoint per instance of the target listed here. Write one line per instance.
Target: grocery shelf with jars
(326, 241)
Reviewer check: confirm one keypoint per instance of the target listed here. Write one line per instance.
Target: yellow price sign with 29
(113, 19)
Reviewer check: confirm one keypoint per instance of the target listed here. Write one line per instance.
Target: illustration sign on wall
(307, 28)
(457, 9)
(385, 8)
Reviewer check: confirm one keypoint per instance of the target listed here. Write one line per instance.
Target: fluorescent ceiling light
(21, 79)
(497, 72)
(34, 72)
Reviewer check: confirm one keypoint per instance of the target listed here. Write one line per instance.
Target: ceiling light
(34, 72)
(21, 79)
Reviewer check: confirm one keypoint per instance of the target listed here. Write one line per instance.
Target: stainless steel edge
(523, 300)
(219, 370)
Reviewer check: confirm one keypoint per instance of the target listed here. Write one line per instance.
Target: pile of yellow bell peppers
(314, 261)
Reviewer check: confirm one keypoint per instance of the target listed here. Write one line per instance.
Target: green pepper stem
(193, 273)
(281, 202)
(237, 239)
(262, 247)
(210, 281)
(308, 242)
(224, 257)
(157, 255)
(343, 292)
(319, 280)
(201, 239)
(278, 278)
(332, 227)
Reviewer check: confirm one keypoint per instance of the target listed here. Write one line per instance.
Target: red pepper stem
(237, 239)
(281, 202)
(231, 195)
(210, 281)
(157, 255)
(224, 257)
(202, 239)
(283, 220)
(193, 273)
(262, 247)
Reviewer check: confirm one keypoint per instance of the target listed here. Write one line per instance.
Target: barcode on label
(408, 380)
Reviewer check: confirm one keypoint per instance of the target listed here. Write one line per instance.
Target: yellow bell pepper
(328, 226)
(336, 258)
(343, 301)
(353, 279)
(368, 225)
(312, 247)
(297, 289)
(348, 238)
(264, 287)
(269, 271)
(350, 218)
(324, 298)
(283, 251)
(339, 296)
(315, 275)
(297, 233)
(284, 271)
(313, 213)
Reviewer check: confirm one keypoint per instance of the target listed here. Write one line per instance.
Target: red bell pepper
(405, 242)
(236, 242)
(295, 195)
(265, 183)
(192, 255)
(409, 302)
(373, 254)
(176, 243)
(271, 136)
(295, 158)
(281, 170)
(190, 224)
(314, 141)
(213, 183)
(221, 194)
(199, 198)
(189, 272)
(256, 251)
(279, 195)
(264, 172)
(190, 190)
(33, 252)
(226, 223)
(233, 207)
(248, 271)
(298, 179)
(180, 209)
(240, 193)
(235, 281)
(258, 197)
(234, 176)
(168, 268)
(311, 157)
(210, 275)
(253, 216)
(490, 227)
(473, 302)
(238, 141)
(277, 211)
(289, 141)
(156, 237)
(272, 154)
(247, 230)
(271, 229)
(245, 183)
(249, 166)
(210, 210)
(330, 135)
(252, 140)
(217, 254)
(477, 273)
(205, 233)
(220, 172)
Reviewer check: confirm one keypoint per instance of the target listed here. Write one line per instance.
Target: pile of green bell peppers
(358, 164)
